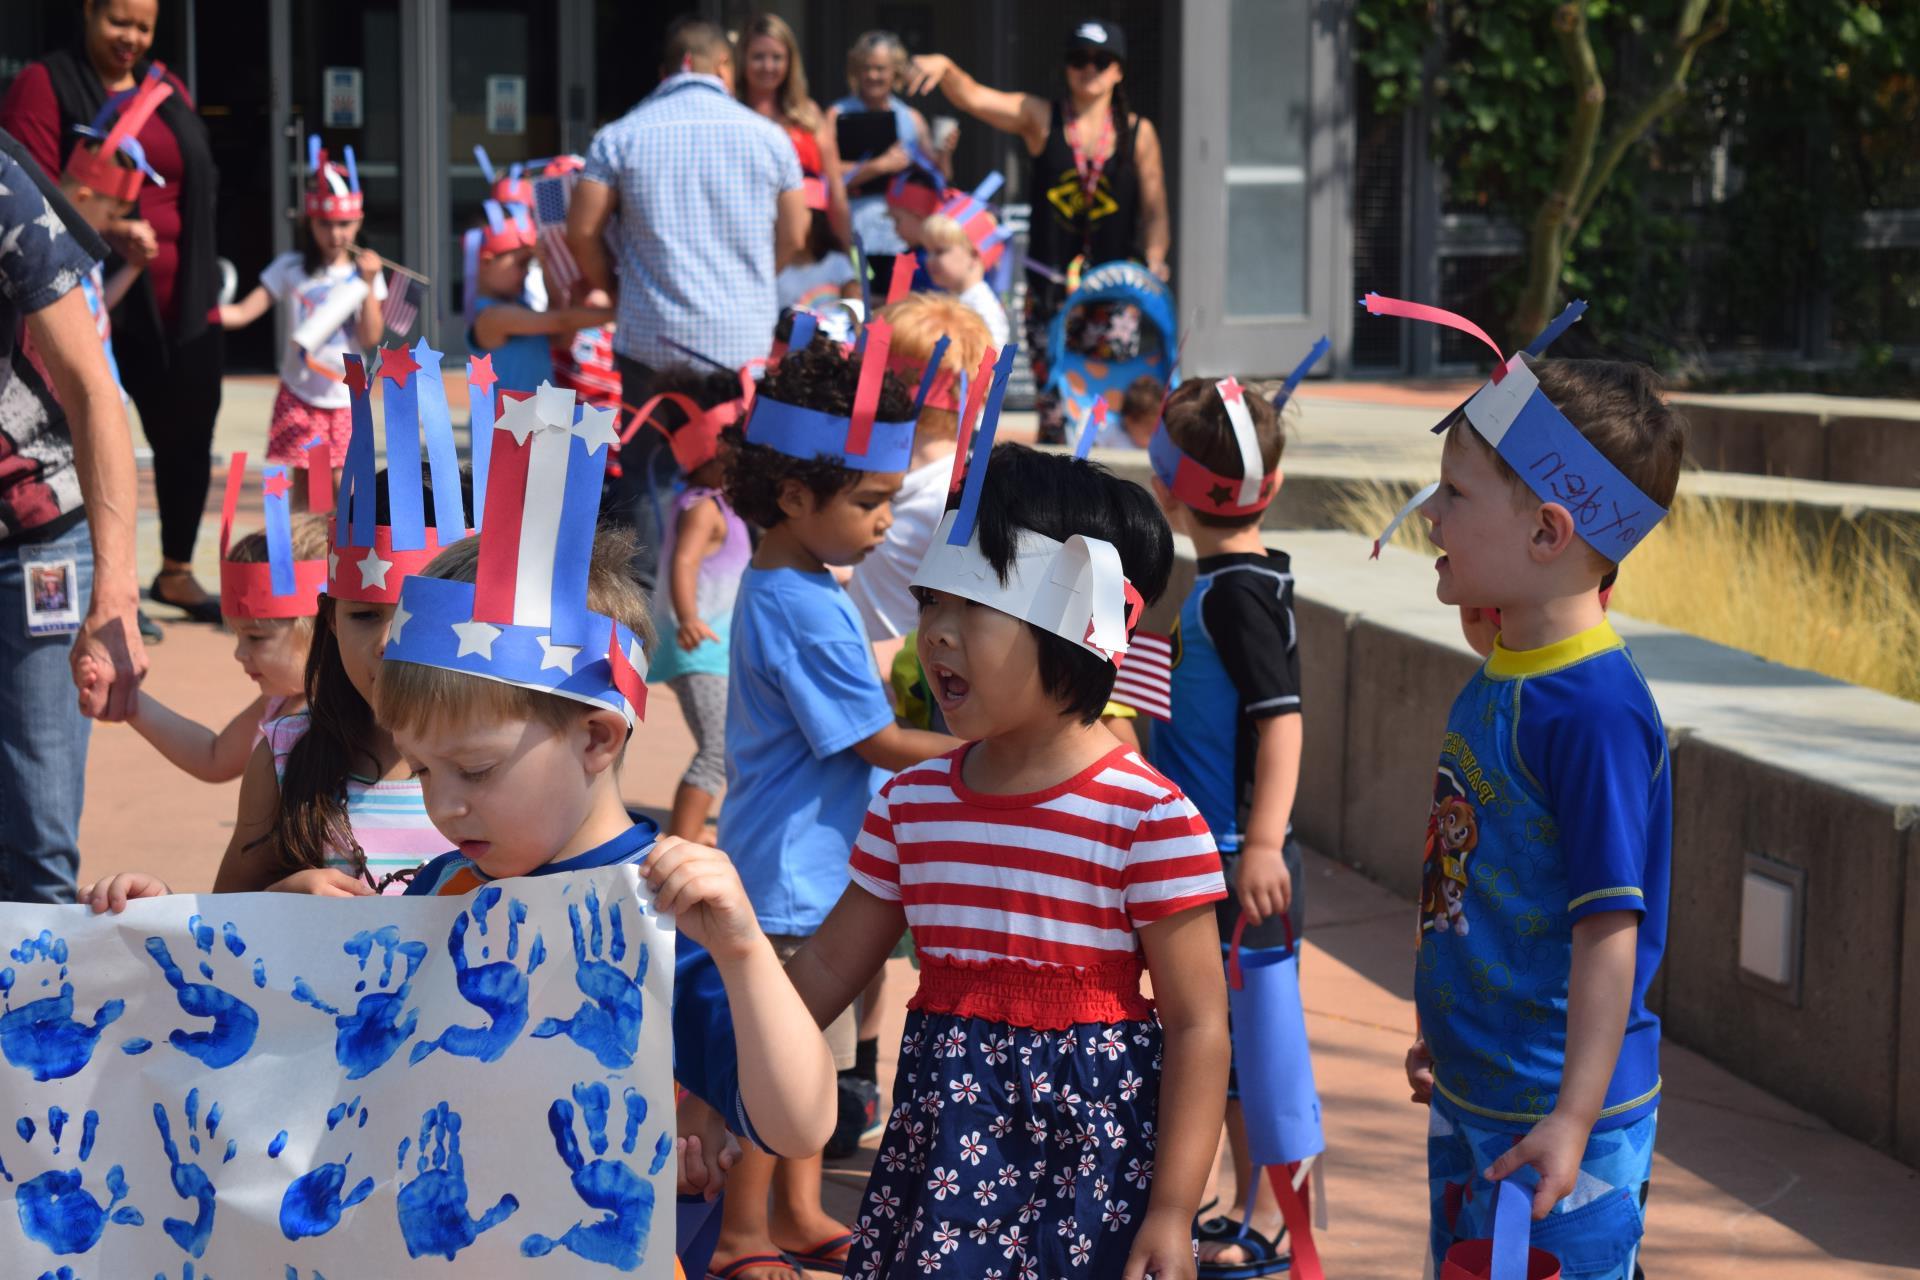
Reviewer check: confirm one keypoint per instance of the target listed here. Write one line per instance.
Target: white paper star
(373, 570)
(400, 617)
(520, 418)
(557, 655)
(476, 637)
(596, 428)
(333, 565)
(554, 406)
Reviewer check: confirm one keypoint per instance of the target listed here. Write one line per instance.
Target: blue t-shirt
(1553, 802)
(522, 362)
(706, 1061)
(801, 691)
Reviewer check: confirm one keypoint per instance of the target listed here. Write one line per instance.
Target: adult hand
(892, 160)
(108, 659)
(1162, 270)
(925, 71)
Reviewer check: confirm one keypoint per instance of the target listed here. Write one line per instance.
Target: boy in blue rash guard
(480, 746)
(1233, 744)
(1543, 912)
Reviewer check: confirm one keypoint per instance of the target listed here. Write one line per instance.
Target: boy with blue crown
(514, 668)
(1545, 891)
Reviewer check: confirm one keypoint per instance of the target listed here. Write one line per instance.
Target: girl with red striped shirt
(1049, 1119)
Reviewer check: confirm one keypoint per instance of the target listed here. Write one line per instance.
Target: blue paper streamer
(358, 472)
(573, 547)
(436, 427)
(1561, 323)
(279, 535)
(982, 449)
(486, 162)
(931, 372)
(353, 169)
(480, 419)
(313, 153)
(1301, 370)
(1512, 1232)
(800, 337)
(402, 403)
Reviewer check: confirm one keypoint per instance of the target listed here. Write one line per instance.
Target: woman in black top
(1098, 184)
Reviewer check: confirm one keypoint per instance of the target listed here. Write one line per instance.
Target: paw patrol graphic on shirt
(1453, 832)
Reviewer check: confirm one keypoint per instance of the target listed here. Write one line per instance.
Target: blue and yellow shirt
(1553, 802)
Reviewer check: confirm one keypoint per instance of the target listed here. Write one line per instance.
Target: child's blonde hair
(941, 232)
(919, 321)
(309, 537)
(411, 697)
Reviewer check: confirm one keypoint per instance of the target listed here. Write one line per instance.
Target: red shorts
(295, 422)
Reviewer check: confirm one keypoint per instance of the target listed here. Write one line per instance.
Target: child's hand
(700, 887)
(1164, 1247)
(113, 893)
(136, 241)
(1420, 1072)
(707, 1150)
(1554, 1147)
(367, 263)
(694, 631)
(325, 882)
(1264, 884)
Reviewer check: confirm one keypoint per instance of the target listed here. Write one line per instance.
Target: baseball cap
(1098, 34)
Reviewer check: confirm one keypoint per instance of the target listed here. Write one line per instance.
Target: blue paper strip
(1301, 370)
(800, 337)
(809, 433)
(1561, 323)
(982, 449)
(573, 544)
(279, 534)
(1512, 1232)
(358, 473)
(436, 426)
(861, 268)
(1548, 452)
(402, 405)
(931, 372)
(480, 416)
(353, 170)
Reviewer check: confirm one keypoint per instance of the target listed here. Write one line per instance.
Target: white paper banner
(268, 1085)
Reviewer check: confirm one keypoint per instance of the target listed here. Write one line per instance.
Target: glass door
(344, 84)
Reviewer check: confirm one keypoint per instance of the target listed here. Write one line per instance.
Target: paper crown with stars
(524, 620)
(1547, 452)
(335, 193)
(508, 228)
(1199, 486)
(95, 167)
(1076, 589)
(366, 560)
(855, 440)
(696, 441)
(984, 231)
(283, 587)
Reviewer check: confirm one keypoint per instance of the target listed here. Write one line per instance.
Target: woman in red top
(169, 343)
(775, 85)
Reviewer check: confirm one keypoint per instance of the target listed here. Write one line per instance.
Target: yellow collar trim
(1506, 664)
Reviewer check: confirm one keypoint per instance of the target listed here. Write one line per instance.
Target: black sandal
(206, 610)
(1269, 1258)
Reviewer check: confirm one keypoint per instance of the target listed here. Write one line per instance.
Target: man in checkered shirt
(700, 202)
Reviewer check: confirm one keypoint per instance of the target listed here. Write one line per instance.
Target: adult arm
(108, 657)
(587, 218)
(193, 747)
(246, 866)
(31, 113)
(923, 135)
(1021, 114)
(1156, 223)
(496, 324)
(791, 217)
(895, 748)
(839, 211)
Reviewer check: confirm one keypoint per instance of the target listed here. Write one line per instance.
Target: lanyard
(1084, 162)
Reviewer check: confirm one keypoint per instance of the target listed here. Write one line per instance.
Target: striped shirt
(388, 816)
(1064, 876)
(698, 177)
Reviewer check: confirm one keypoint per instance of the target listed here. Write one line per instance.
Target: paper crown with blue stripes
(367, 560)
(335, 193)
(1547, 452)
(283, 587)
(853, 440)
(524, 621)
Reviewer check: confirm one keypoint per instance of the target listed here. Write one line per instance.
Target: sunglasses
(1098, 59)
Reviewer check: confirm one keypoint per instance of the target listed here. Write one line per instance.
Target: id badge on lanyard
(52, 584)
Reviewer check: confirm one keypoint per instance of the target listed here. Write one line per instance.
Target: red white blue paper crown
(917, 197)
(696, 441)
(976, 218)
(335, 193)
(283, 587)
(855, 440)
(367, 561)
(509, 227)
(95, 167)
(511, 187)
(1545, 450)
(1204, 489)
(525, 620)
(1076, 589)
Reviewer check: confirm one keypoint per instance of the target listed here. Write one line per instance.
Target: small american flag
(1145, 679)
(551, 196)
(402, 306)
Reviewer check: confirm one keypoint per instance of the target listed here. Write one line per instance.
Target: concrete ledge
(1810, 772)
(1807, 437)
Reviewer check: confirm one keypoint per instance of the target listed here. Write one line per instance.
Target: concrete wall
(1805, 437)
(1803, 770)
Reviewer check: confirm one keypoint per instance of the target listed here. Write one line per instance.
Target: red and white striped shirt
(1057, 877)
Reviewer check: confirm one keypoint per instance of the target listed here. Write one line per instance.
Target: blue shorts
(1595, 1232)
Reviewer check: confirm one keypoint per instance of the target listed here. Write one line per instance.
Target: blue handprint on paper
(234, 1022)
(619, 1238)
(43, 1037)
(433, 1207)
(63, 1273)
(607, 1024)
(498, 990)
(56, 1209)
(313, 1204)
(366, 1038)
(190, 1181)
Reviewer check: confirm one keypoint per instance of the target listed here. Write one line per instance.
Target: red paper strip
(1379, 306)
(1293, 1210)
(236, 472)
(900, 283)
(319, 476)
(628, 681)
(499, 566)
(866, 394)
(970, 417)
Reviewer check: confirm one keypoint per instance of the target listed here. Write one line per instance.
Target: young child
(1140, 411)
(957, 263)
(826, 274)
(1040, 868)
(1553, 789)
(271, 647)
(1233, 743)
(519, 338)
(807, 718)
(705, 551)
(879, 587)
(312, 399)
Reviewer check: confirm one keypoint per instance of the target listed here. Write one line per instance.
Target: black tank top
(1067, 223)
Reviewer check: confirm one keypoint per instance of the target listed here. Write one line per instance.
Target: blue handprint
(63, 1273)
(234, 1022)
(619, 1239)
(313, 1204)
(190, 1181)
(43, 1036)
(366, 1038)
(186, 1273)
(55, 1209)
(498, 990)
(433, 1207)
(607, 1024)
